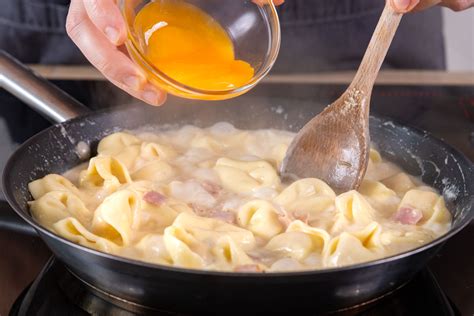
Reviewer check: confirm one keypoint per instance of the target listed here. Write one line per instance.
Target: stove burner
(57, 291)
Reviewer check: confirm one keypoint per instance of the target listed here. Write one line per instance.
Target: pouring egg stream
(189, 46)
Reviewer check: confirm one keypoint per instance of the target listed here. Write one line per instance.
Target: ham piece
(154, 198)
(408, 215)
(228, 217)
(211, 187)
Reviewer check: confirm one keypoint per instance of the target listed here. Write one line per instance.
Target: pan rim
(8, 192)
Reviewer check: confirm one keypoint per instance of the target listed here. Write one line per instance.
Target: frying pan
(189, 291)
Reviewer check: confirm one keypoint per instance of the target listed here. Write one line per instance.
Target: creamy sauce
(212, 199)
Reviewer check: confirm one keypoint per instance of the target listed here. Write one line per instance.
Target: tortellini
(294, 244)
(209, 229)
(353, 209)
(106, 172)
(154, 151)
(116, 143)
(431, 205)
(154, 171)
(128, 156)
(245, 176)
(379, 196)
(128, 149)
(73, 230)
(113, 219)
(400, 183)
(212, 199)
(349, 248)
(261, 218)
(308, 196)
(51, 182)
(229, 254)
(57, 205)
(191, 239)
(180, 244)
(370, 235)
(151, 248)
(155, 218)
(207, 142)
(346, 249)
(319, 237)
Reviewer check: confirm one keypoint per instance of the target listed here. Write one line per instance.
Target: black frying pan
(182, 290)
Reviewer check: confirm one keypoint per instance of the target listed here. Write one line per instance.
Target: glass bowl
(253, 28)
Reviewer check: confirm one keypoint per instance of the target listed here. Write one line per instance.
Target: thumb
(106, 16)
(404, 6)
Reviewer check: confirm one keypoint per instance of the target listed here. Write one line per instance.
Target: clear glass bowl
(254, 30)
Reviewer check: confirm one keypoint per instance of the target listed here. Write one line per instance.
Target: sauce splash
(191, 47)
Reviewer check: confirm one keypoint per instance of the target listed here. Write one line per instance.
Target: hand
(404, 6)
(98, 29)
(262, 2)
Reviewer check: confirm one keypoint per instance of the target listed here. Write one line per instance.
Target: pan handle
(10, 221)
(37, 92)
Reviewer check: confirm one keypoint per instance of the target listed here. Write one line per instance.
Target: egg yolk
(189, 46)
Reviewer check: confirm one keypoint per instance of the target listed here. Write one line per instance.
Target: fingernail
(112, 34)
(152, 97)
(132, 82)
(402, 4)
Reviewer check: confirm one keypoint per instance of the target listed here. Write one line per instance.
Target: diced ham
(211, 187)
(201, 210)
(302, 216)
(408, 215)
(227, 217)
(248, 268)
(284, 219)
(154, 198)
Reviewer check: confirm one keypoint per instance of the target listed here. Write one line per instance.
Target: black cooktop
(56, 291)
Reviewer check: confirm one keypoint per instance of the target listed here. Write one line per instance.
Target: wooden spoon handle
(376, 51)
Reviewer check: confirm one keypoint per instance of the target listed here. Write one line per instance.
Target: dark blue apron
(317, 35)
(325, 35)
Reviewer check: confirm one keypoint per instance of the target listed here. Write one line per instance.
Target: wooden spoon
(334, 145)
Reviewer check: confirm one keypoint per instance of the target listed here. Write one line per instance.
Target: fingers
(263, 2)
(106, 16)
(458, 5)
(425, 4)
(404, 6)
(107, 58)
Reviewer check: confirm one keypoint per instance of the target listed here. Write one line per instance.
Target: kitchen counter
(385, 77)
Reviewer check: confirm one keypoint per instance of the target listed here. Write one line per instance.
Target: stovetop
(56, 291)
(446, 112)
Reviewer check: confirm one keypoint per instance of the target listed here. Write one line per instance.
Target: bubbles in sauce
(83, 150)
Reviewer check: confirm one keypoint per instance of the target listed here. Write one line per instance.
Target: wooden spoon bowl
(334, 146)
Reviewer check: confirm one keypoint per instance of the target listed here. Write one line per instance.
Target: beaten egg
(189, 46)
